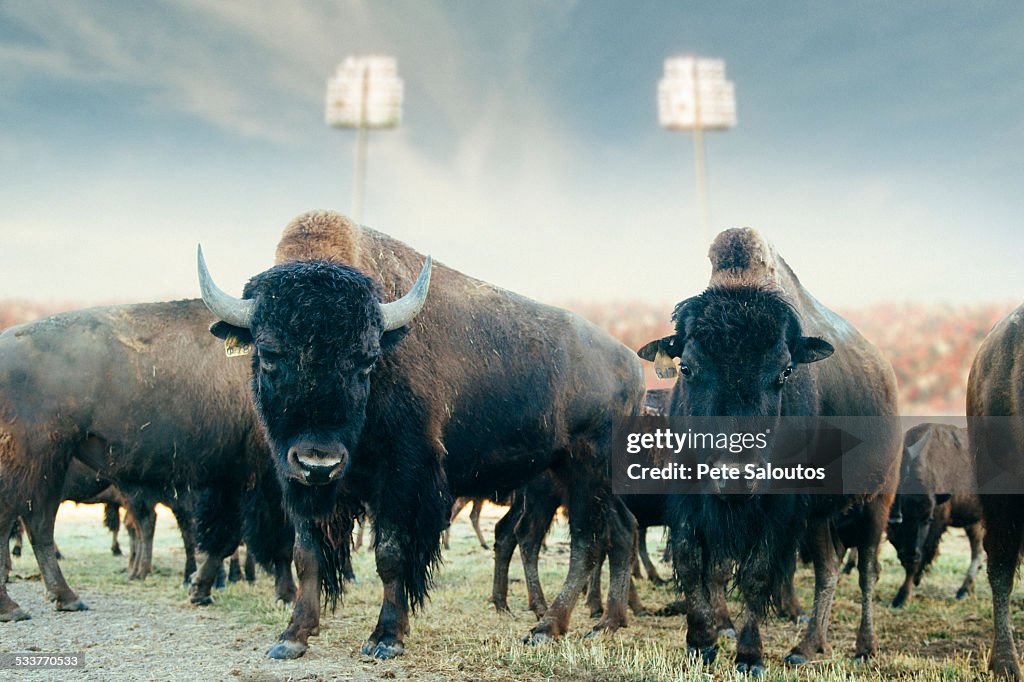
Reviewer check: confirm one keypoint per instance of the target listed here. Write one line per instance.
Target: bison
(756, 344)
(995, 394)
(133, 393)
(931, 497)
(406, 404)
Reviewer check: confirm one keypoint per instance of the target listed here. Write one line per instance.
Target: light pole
(694, 95)
(365, 93)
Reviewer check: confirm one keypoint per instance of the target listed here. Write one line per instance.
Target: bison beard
(759, 536)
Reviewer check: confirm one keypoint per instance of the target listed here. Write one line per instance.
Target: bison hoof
(729, 633)
(962, 593)
(597, 612)
(201, 599)
(116, 551)
(533, 638)
(14, 616)
(287, 649)
(383, 650)
(659, 582)
(76, 605)
(796, 658)
(1005, 668)
(706, 654)
(752, 669)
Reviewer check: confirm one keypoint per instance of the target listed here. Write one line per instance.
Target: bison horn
(234, 311)
(399, 313)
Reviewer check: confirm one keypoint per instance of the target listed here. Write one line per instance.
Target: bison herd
(381, 386)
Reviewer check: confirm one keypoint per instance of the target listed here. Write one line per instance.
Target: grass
(459, 636)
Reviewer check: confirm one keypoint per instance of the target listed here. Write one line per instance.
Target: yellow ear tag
(233, 346)
(664, 366)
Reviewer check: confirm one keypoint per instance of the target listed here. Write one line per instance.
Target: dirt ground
(146, 630)
(125, 636)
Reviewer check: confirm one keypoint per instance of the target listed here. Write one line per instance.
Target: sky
(878, 144)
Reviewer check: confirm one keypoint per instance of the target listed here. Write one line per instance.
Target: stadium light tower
(694, 95)
(365, 93)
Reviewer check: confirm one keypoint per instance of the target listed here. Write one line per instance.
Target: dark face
(316, 330)
(738, 352)
(910, 519)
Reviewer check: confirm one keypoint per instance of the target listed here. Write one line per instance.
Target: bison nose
(314, 465)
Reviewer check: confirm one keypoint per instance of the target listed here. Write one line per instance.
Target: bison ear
(237, 340)
(650, 350)
(391, 338)
(666, 344)
(811, 349)
(223, 330)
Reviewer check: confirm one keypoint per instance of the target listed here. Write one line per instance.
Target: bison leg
(357, 544)
(749, 649)
(17, 532)
(387, 638)
(9, 609)
(719, 604)
(218, 531)
(112, 522)
(826, 573)
(538, 512)
(701, 617)
(187, 527)
(145, 517)
(474, 518)
(457, 507)
(789, 605)
(851, 562)
(249, 569)
(235, 566)
(587, 532)
(868, 570)
(39, 524)
(621, 554)
(504, 546)
(910, 566)
(974, 534)
(305, 620)
(284, 584)
(595, 602)
(645, 558)
(1003, 544)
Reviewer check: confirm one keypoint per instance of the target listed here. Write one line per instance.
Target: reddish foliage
(930, 346)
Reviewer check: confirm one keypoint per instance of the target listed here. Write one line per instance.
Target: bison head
(317, 330)
(738, 351)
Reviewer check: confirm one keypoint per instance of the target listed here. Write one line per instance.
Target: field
(147, 630)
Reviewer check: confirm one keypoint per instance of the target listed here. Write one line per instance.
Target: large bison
(136, 393)
(995, 394)
(756, 344)
(932, 496)
(404, 405)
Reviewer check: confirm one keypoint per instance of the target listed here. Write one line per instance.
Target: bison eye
(268, 360)
(785, 375)
(685, 370)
